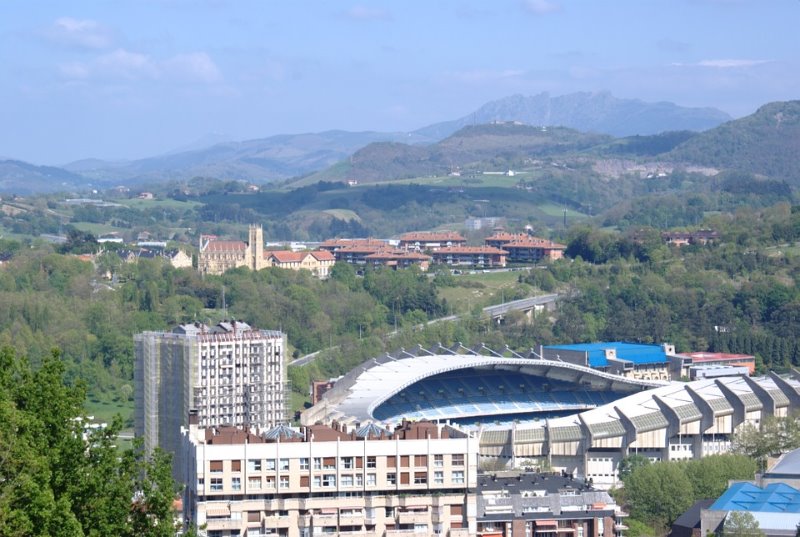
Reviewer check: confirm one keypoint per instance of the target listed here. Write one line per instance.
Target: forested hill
(496, 146)
(766, 142)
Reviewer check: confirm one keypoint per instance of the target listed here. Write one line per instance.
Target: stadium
(532, 411)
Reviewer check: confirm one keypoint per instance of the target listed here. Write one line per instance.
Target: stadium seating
(466, 394)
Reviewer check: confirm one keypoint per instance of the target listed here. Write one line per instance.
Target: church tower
(255, 247)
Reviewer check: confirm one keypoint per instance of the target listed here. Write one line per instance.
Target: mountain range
(281, 157)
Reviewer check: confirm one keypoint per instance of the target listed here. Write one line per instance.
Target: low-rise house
(430, 240)
(473, 256)
(318, 262)
(523, 248)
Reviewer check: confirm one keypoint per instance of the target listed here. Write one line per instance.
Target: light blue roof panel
(638, 353)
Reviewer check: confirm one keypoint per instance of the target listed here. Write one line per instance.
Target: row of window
(329, 481)
(345, 463)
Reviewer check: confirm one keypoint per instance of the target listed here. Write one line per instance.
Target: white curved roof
(688, 401)
(355, 398)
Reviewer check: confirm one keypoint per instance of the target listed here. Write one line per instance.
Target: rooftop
(774, 498)
(638, 353)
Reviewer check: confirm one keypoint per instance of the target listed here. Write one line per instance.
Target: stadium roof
(638, 353)
(678, 402)
(361, 391)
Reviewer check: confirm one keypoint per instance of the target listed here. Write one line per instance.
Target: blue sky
(114, 79)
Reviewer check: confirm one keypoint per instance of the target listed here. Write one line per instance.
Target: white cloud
(541, 7)
(725, 63)
(482, 75)
(126, 65)
(365, 13)
(193, 66)
(81, 33)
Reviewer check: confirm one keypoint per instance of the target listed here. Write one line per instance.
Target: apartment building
(330, 480)
(545, 504)
(230, 374)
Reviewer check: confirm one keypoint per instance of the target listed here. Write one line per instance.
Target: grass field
(105, 412)
(495, 286)
(343, 214)
(159, 204)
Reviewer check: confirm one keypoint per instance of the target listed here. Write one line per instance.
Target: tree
(741, 524)
(630, 463)
(658, 493)
(57, 477)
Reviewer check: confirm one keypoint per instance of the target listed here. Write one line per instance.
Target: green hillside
(765, 143)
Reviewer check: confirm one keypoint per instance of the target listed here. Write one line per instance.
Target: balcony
(406, 533)
(413, 517)
(325, 520)
(458, 532)
(223, 524)
(275, 521)
(356, 519)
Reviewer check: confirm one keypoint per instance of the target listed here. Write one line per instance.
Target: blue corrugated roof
(638, 353)
(774, 498)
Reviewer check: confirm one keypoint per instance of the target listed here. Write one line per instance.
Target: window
(284, 482)
(284, 465)
(371, 462)
(347, 481)
(304, 463)
(215, 467)
(254, 483)
(253, 465)
(270, 482)
(389, 511)
(216, 484)
(359, 480)
(438, 478)
(347, 463)
(404, 461)
(420, 478)
(236, 466)
(317, 463)
(458, 476)
(420, 460)
(329, 480)
(317, 481)
(372, 480)
(438, 460)
(457, 460)
(329, 463)
(236, 483)
(270, 465)
(391, 478)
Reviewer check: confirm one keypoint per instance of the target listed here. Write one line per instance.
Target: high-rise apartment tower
(231, 374)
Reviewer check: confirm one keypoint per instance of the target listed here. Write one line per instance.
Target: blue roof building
(641, 360)
(775, 507)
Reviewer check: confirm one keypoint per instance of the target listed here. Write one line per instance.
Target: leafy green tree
(741, 524)
(658, 493)
(630, 463)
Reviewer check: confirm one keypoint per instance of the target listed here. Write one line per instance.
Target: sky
(132, 79)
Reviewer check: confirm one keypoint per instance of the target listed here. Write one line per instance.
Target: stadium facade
(531, 411)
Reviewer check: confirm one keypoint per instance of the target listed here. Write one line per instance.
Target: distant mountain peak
(597, 111)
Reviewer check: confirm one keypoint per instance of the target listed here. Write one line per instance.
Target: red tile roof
(535, 242)
(323, 255)
(432, 236)
(470, 250)
(285, 256)
(344, 243)
(225, 246)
